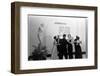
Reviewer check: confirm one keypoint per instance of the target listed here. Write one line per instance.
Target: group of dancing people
(65, 46)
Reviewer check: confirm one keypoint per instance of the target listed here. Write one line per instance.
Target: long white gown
(54, 51)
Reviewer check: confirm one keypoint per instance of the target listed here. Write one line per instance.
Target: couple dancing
(64, 47)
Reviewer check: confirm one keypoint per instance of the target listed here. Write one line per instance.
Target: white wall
(5, 27)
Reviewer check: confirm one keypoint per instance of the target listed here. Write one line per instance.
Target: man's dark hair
(54, 37)
(77, 37)
(64, 35)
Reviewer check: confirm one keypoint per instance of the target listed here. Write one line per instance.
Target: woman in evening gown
(78, 50)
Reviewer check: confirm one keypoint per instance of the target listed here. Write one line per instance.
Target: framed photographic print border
(15, 37)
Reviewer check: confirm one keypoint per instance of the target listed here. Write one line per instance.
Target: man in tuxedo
(63, 48)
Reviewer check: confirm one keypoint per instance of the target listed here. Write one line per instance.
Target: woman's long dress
(70, 49)
(78, 50)
(54, 51)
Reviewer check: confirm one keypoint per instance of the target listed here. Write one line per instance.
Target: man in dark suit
(63, 47)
